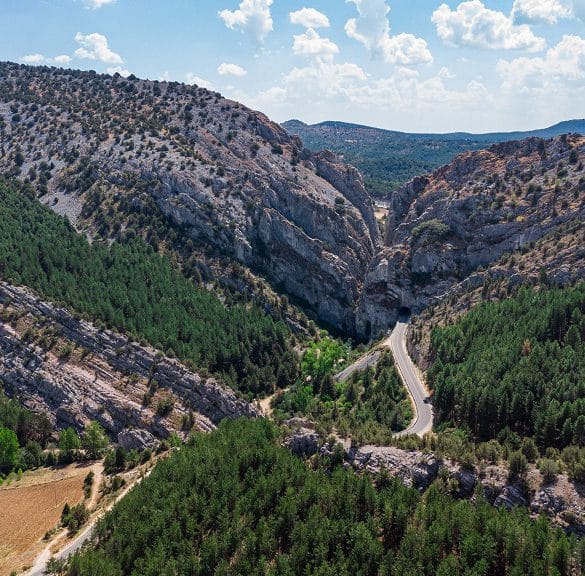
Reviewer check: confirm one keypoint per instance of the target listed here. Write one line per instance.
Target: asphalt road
(368, 360)
(412, 379)
(422, 421)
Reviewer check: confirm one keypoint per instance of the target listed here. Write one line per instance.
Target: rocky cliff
(489, 214)
(113, 153)
(75, 372)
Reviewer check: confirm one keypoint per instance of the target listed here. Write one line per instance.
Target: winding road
(409, 373)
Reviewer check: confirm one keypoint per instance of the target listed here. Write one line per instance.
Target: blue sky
(415, 65)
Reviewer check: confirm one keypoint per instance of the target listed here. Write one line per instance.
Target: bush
(88, 483)
(517, 466)
(165, 406)
(74, 518)
(549, 470)
(436, 229)
(529, 449)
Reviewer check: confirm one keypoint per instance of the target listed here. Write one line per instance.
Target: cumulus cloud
(253, 17)
(311, 44)
(36, 58)
(539, 11)
(118, 70)
(309, 18)
(95, 47)
(563, 62)
(348, 91)
(191, 78)
(372, 29)
(225, 69)
(62, 59)
(95, 4)
(474, 25)
(33, 59)
(321, 81)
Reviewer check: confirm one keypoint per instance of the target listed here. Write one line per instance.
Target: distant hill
(389, 158)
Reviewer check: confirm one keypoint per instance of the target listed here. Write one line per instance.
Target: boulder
(136, 439)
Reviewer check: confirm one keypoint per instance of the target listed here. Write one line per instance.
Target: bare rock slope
(475, 220)
(111, 152)
(73, 371)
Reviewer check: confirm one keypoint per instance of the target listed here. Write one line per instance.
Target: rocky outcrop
(59, 364)
(413, 468)
(136, 439)
(230, 182)
(450, 232)
(562, 501)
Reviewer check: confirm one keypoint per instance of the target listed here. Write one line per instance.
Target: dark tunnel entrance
(404, 314)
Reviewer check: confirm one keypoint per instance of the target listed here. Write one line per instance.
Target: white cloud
(345, 92)
(62, 59)
(95, 4)
(33, 59)
(309, 18)
(474, 25)
(191, 78)
(95, 47)
(118, 70)
(563, 62)
(322, 81)
(252, 17)
(311, 44)
(225, 69)
(545, 11)
(372, 29)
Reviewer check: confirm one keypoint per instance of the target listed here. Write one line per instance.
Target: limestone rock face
(452, 231)
(232, 183)
(136, 439)
(303, 442)
(106, 376)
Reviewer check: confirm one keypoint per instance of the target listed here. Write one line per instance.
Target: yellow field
(30, 507)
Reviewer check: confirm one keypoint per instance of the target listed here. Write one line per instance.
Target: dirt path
(40, 564)
(266, 403)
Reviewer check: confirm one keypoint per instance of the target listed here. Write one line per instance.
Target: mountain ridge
(572, 126)
(191, 171)
(389, 159)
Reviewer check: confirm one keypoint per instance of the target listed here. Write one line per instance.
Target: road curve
(422, 421)
(412, 379)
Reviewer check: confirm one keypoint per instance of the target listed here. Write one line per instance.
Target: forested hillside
(131, 288)
(234, 502)
(388, 159)
(517, 364)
